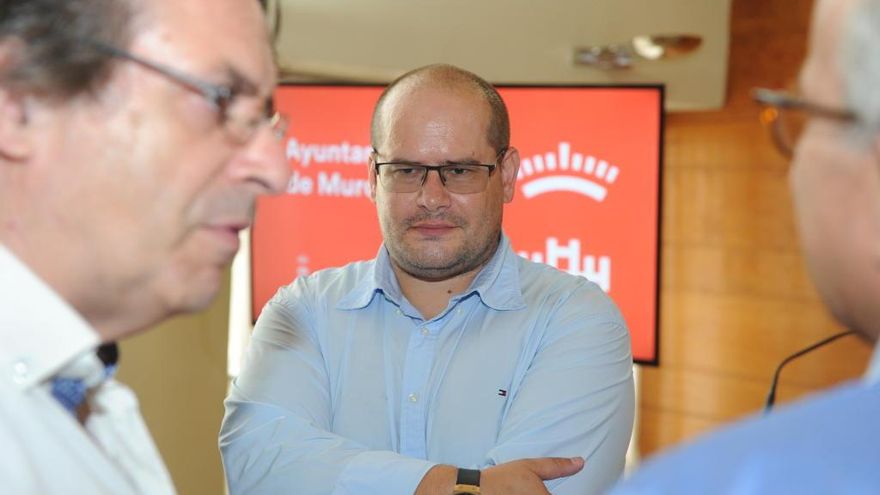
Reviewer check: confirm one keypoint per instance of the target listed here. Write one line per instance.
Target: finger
(548, 468)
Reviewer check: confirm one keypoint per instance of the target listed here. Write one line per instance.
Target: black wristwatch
(467, 483)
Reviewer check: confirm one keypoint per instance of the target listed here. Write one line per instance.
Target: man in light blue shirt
(447, 363)
(829, 444)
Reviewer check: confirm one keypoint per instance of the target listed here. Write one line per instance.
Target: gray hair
(46, 54)
(860, 66)
(498, 133)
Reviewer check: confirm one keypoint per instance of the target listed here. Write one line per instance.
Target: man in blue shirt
(447, 364)
(829, 444)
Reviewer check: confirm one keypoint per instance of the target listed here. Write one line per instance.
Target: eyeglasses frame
(774, 100)
(439, 168)
(219, 96)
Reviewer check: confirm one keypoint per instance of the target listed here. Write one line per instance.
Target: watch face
(467, 482)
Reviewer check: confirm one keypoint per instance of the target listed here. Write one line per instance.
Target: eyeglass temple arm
(220, 95)
(780, 99)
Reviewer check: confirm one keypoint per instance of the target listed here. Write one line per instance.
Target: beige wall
(178, 371)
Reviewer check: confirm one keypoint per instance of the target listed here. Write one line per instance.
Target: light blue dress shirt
(346, 389)
(829, 444)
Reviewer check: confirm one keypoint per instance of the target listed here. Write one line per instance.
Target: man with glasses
(133, 140)
(447, 364)
(829, 443)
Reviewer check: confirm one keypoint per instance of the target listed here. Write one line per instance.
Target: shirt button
(398, 311)
(413, 398)
(425, 332)
(19, 371)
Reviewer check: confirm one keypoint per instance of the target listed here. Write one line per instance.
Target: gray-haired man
(828, 444)
(133, 141)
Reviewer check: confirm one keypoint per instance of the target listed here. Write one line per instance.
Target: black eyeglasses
(458, 178)
(786, 116)
(235, 120)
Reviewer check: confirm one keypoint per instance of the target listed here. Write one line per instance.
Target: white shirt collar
(39, 331)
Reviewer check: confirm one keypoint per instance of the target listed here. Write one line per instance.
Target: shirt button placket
(419, 362)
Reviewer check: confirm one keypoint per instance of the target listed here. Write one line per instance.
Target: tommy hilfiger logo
(502, 392)
(566, 171)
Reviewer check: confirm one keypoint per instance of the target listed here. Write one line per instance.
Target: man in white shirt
(133, 141)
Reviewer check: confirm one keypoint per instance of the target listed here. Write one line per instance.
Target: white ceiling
(505, 41)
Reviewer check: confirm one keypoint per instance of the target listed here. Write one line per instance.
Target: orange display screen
(587, 198)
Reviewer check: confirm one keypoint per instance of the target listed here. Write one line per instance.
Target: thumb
(548, 468)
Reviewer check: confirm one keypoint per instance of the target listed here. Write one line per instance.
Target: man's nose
(433, 194)
(264, 162)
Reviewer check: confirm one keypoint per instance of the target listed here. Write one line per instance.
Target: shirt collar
(379, 277)
(497, 284)
(40, 333)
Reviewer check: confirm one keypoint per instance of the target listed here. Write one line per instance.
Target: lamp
(645, 47)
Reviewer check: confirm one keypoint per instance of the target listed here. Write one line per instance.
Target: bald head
(445, 78)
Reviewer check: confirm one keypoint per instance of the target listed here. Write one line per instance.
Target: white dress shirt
(43, 448)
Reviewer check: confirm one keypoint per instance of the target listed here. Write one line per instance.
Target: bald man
(447, 364)
(830, 443)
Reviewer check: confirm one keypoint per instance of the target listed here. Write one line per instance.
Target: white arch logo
(584, 175)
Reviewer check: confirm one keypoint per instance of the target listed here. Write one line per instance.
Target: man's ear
(509, 170)
(15, 133)
(15, 140)
(371, 174)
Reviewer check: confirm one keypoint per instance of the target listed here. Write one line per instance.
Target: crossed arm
(520, 477)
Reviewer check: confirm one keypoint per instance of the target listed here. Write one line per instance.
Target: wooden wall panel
(735, 297)
(669, 428)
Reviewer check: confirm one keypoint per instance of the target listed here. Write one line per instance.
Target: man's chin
(197, 293)
(435, 266)
(434, 241)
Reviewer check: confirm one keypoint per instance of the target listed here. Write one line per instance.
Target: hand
(527, 476)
